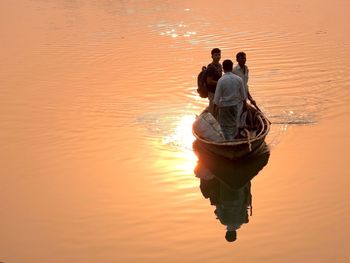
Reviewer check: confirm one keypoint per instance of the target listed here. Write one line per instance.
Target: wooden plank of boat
(238, 148)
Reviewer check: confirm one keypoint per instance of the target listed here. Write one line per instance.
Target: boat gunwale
(261, 135)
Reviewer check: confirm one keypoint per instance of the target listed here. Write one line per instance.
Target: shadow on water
(227, 185)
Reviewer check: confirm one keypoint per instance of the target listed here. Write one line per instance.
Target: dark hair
(240, 54)
(231, 236)
(227, 65)
(215, 50)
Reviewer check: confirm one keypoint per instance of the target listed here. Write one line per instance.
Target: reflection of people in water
(232, 211)
(232, 205)
(227, 185)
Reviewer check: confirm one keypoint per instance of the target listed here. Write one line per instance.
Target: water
(97, 100)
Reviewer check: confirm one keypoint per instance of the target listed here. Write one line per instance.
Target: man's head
(231, 235)
(227, 65)
(216, 55)
(241, 58)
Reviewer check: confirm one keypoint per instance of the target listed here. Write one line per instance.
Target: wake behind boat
(239, 147)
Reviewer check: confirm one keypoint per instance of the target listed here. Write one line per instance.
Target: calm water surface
(97, 101)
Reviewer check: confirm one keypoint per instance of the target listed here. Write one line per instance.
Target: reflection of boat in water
(238, 148)
(227, 184)
(233, 173)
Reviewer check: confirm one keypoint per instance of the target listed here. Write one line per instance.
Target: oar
(256, 106)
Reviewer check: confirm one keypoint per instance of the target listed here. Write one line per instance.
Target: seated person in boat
(230, 99)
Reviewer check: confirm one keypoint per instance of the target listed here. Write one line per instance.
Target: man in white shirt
(229, 99)
(242, 71)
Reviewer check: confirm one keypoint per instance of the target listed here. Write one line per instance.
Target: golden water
(96, 104)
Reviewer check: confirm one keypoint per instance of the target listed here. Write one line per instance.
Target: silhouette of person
(232, 208)
(231, 205)
(214, 73)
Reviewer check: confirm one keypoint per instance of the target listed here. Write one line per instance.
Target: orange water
(97, 100)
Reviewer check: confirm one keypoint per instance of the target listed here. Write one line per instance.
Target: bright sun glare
(182, 138)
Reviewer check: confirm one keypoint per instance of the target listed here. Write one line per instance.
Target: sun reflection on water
(175, 30)
(182, 138)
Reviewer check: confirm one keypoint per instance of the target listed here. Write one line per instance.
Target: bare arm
(218, 92)
(211, 81)
(250, 98)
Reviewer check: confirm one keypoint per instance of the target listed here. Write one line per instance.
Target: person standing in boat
(242, 71)
(214, 73)
(230, 99)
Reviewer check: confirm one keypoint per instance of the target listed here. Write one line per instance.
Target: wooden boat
(240, 147)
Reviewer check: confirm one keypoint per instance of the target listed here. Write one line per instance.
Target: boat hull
(239, 148)
(233, 152)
